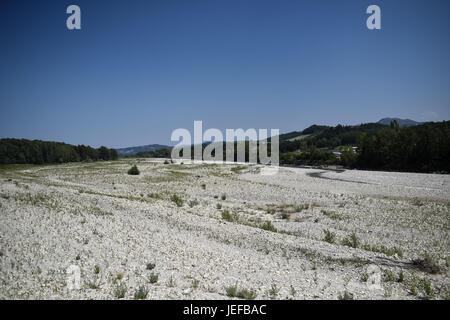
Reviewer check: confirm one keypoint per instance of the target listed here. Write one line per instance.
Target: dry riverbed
(204, 231)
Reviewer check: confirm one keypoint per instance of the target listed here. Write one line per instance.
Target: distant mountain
(134, 150)
(401, 122)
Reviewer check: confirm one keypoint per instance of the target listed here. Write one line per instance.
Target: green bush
(177, 200)
(330, 237)
(134, 171)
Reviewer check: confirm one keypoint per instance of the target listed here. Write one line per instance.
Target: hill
(131, 151)
(401, 122)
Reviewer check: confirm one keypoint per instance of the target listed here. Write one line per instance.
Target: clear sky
(139, 69)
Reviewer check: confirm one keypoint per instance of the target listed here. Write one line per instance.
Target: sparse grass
(141, 293)
(234, 292)
(331, 214)
(155, 196)
(150, 266)
(329, 237)
(351, 241)
(195, 283)
(427, 264)
(268, 226)
(389, 275)
(382, 249)
(238, 169)
(345, 296)
(417, 286)
(93, 284)
(177, 200)
(219, 206)
(401, 277)
(417, 203)
(134, 171)
(97, 269)
(293, 291)
(427, 288)
(120, 291)
(226, 215)
(365, 277)
(153, 278)
(171, 283)
(273, 291)
(193, 203)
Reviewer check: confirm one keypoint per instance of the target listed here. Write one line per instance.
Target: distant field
(204, 231)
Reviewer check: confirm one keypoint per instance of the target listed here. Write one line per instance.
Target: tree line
(23, 151)
(421, 148)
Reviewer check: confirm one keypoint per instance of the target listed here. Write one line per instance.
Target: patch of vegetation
(141, 293)
(150, 266)
(389, 275)
(365, 277)
(351, 241)
(177, 200)
(195, 283)
(155, 196)
(134, 171)
(153, 278)
(345, 296)
(268, 226)
(223, 197)
(382, 249)
(427, 264)
(238, 169)
(219, 206)
(120, 291)
(97, 269)
(273, 291)
(230, 217)
(234, 292)
(331, 214)
(193, 203)
(171, 283)
(329, 237)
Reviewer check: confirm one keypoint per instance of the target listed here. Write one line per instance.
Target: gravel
(56, 218)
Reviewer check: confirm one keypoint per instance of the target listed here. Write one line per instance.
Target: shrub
(97, 269)
(150, 266)
(330, 237)
(351, 241)
(268, 226)
(223, 197)
(193, 203)
(120, 291)
(273, 292)
(232, 291)
(243, 293)
(345, 296)
(133, 171)
(153, 278)
(226, 215)
(141, 293)
(177, 200)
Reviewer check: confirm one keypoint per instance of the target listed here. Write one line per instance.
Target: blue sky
(139, 69)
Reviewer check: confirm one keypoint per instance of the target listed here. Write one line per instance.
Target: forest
(23, 151)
